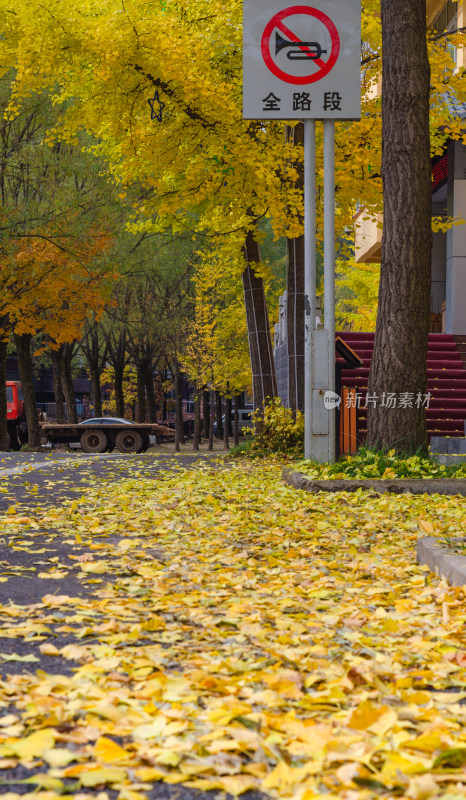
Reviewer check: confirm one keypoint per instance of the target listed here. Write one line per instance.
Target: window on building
(444, 19)
(447, 20)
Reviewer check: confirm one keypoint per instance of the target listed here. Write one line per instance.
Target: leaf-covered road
(232, 633)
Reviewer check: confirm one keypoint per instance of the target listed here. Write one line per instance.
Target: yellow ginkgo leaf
(109, 752)
(106, 775)
(36, 744)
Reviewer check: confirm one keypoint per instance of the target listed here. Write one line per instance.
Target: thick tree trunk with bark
(4, 443)
(23, 351)
(264, 383)
(400, 348)
(67, 381)
(295, 296)
(56, 357)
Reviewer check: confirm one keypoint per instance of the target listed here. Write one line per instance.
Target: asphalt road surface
(29, 481)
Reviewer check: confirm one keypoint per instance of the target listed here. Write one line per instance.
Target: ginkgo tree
(226, 174)
(215, 351)
(202, 165)
(53, 240)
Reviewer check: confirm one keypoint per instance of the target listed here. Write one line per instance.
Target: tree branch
(445, 34)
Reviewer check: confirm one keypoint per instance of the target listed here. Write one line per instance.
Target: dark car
(106, 421)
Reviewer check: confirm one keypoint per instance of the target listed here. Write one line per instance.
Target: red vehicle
(16, 418)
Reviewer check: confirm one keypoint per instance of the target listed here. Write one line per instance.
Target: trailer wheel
(94, 441)
(129, 442)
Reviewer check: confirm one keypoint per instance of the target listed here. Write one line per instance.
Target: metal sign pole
(329, 264)
(303, 62)
(310, 270)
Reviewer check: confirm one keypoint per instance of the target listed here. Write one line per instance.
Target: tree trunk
(150, 391)
(4, 444)
(295, 296)
(264, 384)
(197, 419)
(236, 426)
(228, 424)
(95, 388)
(119, 393)
(158, 395)
(23, 350)
(211, 427)
(95, 358)
(219, 412)
(206, 413)
(179, 425)
(116, 350)
(141, 392)
(400, 346)
(57, 372)
(67, 381)
(226, 444)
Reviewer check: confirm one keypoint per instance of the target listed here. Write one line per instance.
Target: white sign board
(302, 61)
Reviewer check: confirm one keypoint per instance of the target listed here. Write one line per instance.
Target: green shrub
(378, 464)
(276, 430)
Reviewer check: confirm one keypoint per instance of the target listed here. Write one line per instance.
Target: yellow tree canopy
(215, 351)
(105, 62)
(46, 289)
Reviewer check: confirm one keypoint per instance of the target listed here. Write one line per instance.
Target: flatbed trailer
(104, 438)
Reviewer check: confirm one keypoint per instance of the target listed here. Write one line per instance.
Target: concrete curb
(441, 561)
(450, 486)
(450, 460)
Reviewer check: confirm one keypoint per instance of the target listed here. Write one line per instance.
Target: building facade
(448, 294)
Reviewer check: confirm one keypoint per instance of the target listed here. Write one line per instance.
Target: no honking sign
(302, 61)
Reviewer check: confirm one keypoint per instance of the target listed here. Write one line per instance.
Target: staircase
(446, 381)
(461, 347)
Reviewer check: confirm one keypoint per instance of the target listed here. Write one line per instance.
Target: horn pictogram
(313, 50)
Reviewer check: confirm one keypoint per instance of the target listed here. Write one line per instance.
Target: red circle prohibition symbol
(324, 66)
